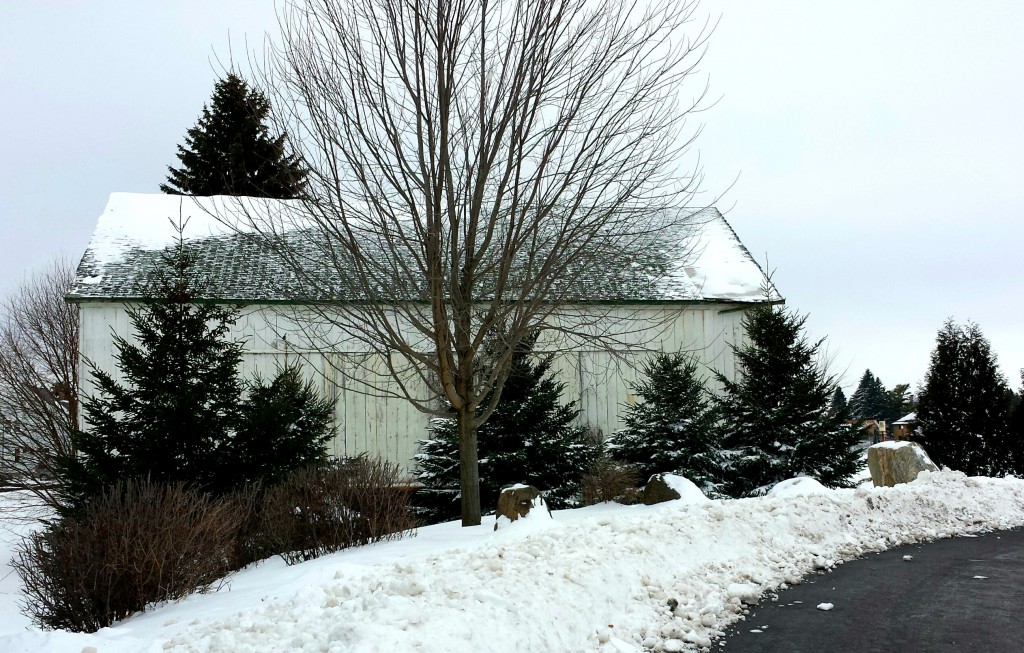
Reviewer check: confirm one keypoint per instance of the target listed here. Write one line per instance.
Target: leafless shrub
(610, 480)
(38, 380)
(326, 508)
(137, 543)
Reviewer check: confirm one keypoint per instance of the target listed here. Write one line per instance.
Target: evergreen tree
(674, 428)
(230, 150)
(283, 424)
(529, 438)
(179, 415)
(839, 405)
(777, 418)
(964, 407)
(901, 402)
(1016, 434)
(870, 400)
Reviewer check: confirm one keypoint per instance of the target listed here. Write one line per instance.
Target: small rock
(908, 558)
(825, 606)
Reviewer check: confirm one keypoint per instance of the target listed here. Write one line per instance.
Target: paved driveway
(960, 594)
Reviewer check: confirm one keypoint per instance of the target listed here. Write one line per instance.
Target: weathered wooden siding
(391, 427)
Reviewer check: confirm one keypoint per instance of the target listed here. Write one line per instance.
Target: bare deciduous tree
(38, 379)
(476, 166)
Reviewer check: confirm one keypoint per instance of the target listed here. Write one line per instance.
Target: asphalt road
(960, 594)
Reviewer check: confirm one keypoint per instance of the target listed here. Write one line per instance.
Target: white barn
(694, 303)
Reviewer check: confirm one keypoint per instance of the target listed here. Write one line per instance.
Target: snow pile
(537, 519)
(606, 578)
(798, 486)
(687, 489)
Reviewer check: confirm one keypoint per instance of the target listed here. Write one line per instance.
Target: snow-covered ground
(606, 578)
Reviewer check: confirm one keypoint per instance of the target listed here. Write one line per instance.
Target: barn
(694, 300)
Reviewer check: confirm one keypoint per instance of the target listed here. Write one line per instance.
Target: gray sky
(877, 149)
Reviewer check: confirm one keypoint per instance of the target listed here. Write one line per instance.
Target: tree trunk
(469, 470)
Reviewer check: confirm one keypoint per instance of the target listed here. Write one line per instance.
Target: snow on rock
(919, 452)
(607, 579)
(797, 487)
(687, 489)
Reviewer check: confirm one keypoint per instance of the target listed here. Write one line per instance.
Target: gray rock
(897, 462)
(658, 491)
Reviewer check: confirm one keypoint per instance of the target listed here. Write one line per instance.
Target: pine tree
(839, 404)
(870, 400)
(529, 438)
(179, 414)
(180, 398)
(777, 419)
(230, 150)
(1015, 441)
(901, 402)
(283, 424)
(963, 410)
(674, 428)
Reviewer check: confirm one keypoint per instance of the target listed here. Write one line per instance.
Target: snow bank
(609, 579)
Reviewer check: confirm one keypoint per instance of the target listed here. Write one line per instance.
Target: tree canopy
(231, 151)
(964, 406)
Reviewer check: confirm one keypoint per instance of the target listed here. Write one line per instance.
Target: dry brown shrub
(610, 480)
(329, 507)
(135, 544)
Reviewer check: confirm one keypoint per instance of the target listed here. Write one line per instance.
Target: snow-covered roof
(708, 263)
(909, 418)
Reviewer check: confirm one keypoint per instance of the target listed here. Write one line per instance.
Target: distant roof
(134, 229)
(909, 418)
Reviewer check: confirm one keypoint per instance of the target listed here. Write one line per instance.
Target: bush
(134, 544)
(675, 427)
(326, 508)
(284, 425)
(611, 480)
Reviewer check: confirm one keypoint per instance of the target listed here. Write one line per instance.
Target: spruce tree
(230, 151)
(284, 423)
(674, 427)
(963, 409)
(529, 438)
(777, 418)
(170, 418)
(839, 403)
(870, 400)
(1015, 442)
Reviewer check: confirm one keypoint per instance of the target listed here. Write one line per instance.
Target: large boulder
(897, 462)
(516, 501)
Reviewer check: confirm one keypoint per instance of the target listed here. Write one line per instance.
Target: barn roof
(711, 265)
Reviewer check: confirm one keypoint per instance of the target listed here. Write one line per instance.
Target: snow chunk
(825, 606)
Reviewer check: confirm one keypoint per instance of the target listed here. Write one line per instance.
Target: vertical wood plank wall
(392, 427)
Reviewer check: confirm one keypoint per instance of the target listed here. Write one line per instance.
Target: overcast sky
(877, 149)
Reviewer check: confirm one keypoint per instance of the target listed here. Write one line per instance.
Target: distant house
(903, 428)
(701, 289)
